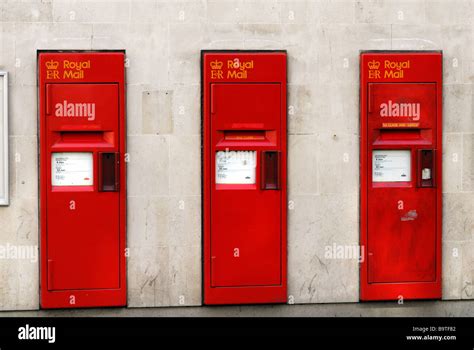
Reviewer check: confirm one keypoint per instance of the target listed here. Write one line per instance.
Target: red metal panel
(401, 99)
(244, 109)
(82, 110)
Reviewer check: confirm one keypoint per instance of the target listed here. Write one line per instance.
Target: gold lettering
(236, 75)
(76, 65)
(68, 74)
(217, 74)
(390, 74)
(52, 74)
(374, 74)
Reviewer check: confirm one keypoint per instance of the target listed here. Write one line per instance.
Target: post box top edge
(270, 54)
(413, 54)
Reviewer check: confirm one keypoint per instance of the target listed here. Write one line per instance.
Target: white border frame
(6, 199)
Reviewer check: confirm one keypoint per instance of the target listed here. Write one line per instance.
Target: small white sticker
(391, 166)
(426, 174)
(71, 169)
(235, 167)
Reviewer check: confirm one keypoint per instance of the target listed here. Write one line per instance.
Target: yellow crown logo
(374, 64)
(52, 64)
(216, 64)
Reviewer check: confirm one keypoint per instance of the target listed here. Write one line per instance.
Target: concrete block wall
(163, 39)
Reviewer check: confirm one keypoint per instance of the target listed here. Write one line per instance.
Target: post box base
(245, 295)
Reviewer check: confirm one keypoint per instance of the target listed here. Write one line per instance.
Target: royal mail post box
(401, 99)
(82, 179)
(244, 182)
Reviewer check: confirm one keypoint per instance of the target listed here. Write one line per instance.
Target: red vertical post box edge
(244, 176)
(82, 178)
(400, 174)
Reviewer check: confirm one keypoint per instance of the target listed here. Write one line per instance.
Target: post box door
(401, 213)
(245, 199)
(82, 219)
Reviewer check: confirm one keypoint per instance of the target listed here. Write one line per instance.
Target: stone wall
(163, 40)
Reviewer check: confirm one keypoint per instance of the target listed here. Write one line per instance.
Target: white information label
(391, 165)
(72, 169)
(235, 167)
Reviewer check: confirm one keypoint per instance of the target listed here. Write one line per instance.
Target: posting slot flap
(75, 139)
(402, 136)
(238, 137)
(244, 135)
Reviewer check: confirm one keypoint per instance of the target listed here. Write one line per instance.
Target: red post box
(244, 182)
(400, 157)
(82, 179)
